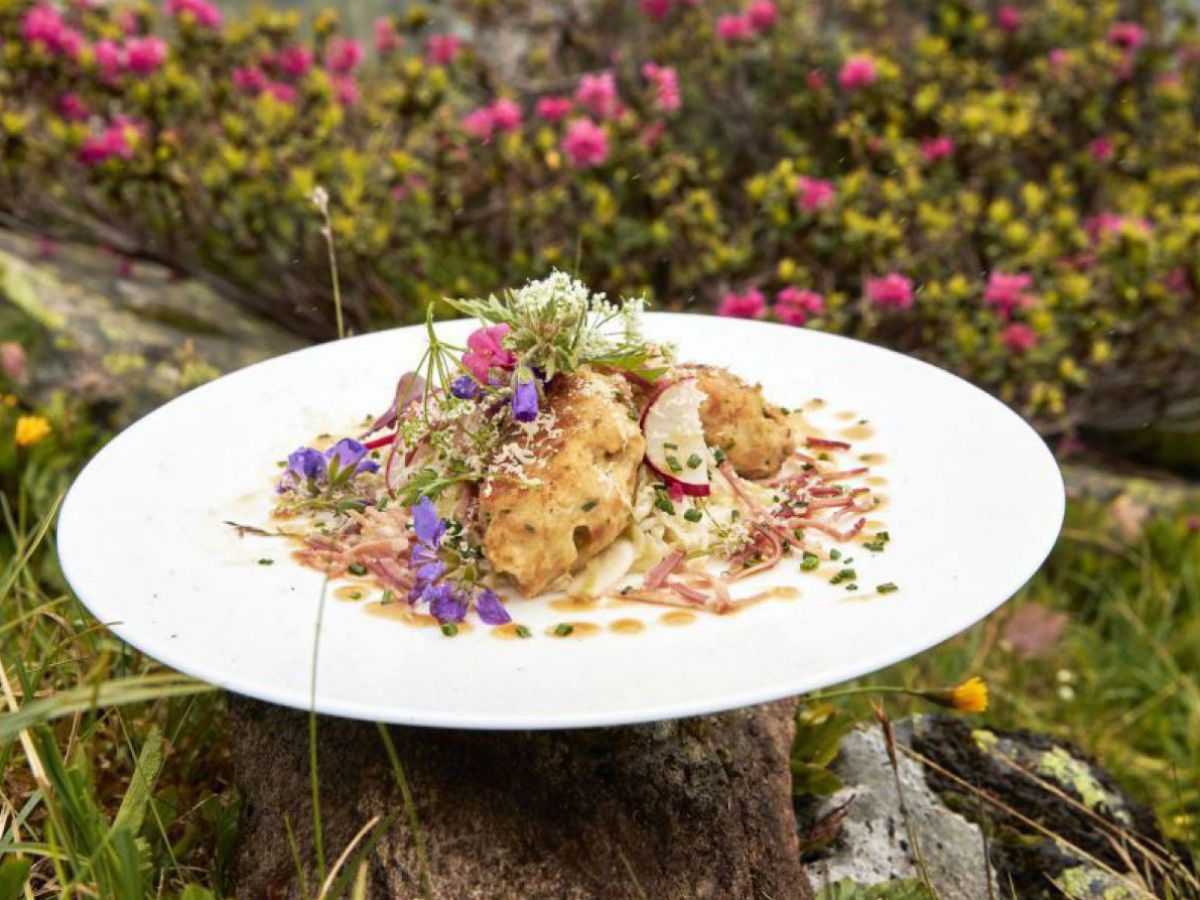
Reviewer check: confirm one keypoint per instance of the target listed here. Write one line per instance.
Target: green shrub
(948, 142)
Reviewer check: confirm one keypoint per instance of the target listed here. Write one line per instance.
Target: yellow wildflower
(969, 697)
(30, 430)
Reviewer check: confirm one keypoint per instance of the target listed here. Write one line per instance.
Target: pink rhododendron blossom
(1101, 149)
(385, 37)
(734, 27)
(597, 93)
(814, 193)
(72, 108)
(553, 108)
(892, 291)
(761, 14)
(145, 54)
(506, 115)
(12, 362)
(479, 123)
(1058, 57)
(794, 306)
(281, 91)
(655, 9)
(585, 143)
(486, 350)
(249, 79)
(1107, 224)
(1009, 18)
(666, 86)
(441, 49)
(1127, 36)
(857, 72)
(652, 133)
(343, 55)
(109, 59)
(815, 79)
(345, 88)
(43, 24)
(113, 141)
(751, 304)
(202, 12)
(933, 149)
(294, 61)
(1018, 337)
(126, 20)
(1177, 281)
(1007, 292)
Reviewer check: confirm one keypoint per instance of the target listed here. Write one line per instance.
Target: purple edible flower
(349, 455)
(304, 466)
(525, 399)
(464, 387)
(445, 604)
(489, 608)
(428, 526)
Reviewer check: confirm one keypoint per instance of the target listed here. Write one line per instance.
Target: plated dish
(561, 453)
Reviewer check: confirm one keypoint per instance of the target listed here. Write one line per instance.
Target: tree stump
(695, 808)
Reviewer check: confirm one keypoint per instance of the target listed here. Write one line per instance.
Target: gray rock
(876, 844)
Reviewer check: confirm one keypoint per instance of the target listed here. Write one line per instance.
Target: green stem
(318, 842)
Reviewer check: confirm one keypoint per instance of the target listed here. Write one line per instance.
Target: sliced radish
(675, 448)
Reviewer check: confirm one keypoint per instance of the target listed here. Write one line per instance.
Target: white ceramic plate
(974, 504)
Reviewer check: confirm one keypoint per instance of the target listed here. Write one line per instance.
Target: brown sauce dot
(627, 626)
(677, 617)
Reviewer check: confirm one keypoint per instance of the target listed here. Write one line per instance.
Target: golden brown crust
(586, 474)
(754, 434)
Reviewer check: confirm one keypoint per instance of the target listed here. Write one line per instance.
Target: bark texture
(696, 808)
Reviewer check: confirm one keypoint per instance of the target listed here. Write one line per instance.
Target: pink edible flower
(553, 108)
(814, 193)
(1127, 36)
(794, 306)
(12, 362)
(750, 304)
(294, 61)
(585, 143)
(203, 12)
(485, 351)
(1019, 337)
(1007, 292)
(249, 79)
(1009, 18)
(761, 14)
(666, 86)
(506, 115)
(734, 27)
(109, 59)
(597, 93)
(145, 54)
(72, 108)
(1101, 149)
(892, 291)
(441, 49)
(856, 72)
(342, 55)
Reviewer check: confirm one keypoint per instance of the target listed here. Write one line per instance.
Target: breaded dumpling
(754, 434)
(584, 457)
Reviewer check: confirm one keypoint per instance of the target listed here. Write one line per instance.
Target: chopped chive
(355, 595)
(357, 569)
(719, 455)
(529, 527)
(387, 597)
(523, 632)
(852, 587)
(670, 446)
(589, 506)
(563, 629)
(266, 562)
(693, 461)
(449, 629)
(809, 562)
(674, 465)
(835, 554)
(693, 515)
(887, 588)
